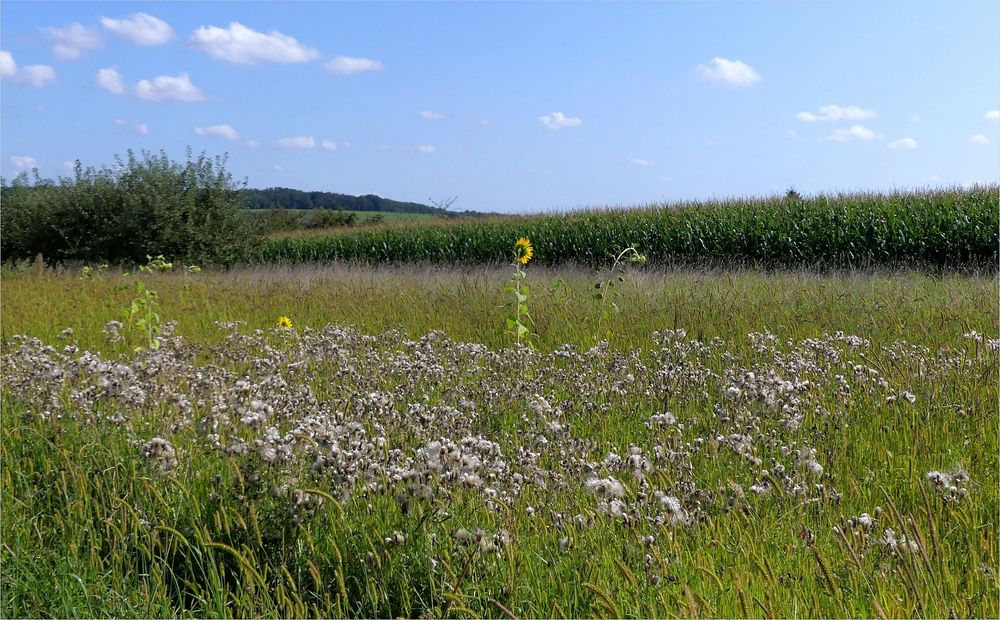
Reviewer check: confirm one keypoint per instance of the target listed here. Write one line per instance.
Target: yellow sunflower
(284, 322)
(523, 251)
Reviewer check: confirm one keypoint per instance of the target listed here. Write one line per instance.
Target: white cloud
(298, 142)
(978, 138)
(252, 143)
(243, 45)
(664, 178)
(218, 131)
(992, 115)
(347, 65)
(903, 144)
(855, 132)
(121, 122)
(733, 72)
(141, 128)
(426, 148)
(110, 80)
(642, 163)
(33, 75)
(329, 145)
(279, 168)
(431, 116)
(37, 75)
(487, 122)
(8, 68)
(167, 88)
(73, 40)
(69, 166)
(140, 28)
(23, 162)
(791, 135)
(558, 120)
(836, 113)
(914, 118)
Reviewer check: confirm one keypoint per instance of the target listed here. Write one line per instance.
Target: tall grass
(955, 228)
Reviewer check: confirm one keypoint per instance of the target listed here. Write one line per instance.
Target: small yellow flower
(523, 251)
(284, 322)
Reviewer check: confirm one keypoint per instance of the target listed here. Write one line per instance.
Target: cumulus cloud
(33, 75)
(23, 162)
(732, 72)
(246, 46)
(558, 120)
(992, 115)
(297, 142)
(167, 88)
(218, 131)
(431, 116)
(332, 145)
(73, 40)
(347, 65)
(252, 143)
(836, 113)
(904, 144)
(855, 132)
(141, 128)
(978, 138)
(642, 163)
(110, 80)
(426, 148)
(140, 28)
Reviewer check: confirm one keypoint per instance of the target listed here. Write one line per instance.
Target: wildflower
(284, 322)
(605, 487)
(523, 250)
(160, 453)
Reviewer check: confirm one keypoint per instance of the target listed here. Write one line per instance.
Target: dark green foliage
(141, 205)
(285, 198)
(939, 229)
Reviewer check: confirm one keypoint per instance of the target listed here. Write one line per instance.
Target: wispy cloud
(23, 162)
(218, 131)
(431, 116)
(348, 65)
(992, 115)
(425, 148)
(914, 118)
(903, 144)
(242, 45)
(836, 113)
(73, 40)
(297, 142)
(978, 138)
(168, 88)
(854, 132)
(732, 72)
(558, 120)
(641, 163)
(140, 29)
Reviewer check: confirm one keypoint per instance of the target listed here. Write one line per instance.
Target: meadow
(696, 442)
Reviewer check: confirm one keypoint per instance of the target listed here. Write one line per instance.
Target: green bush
(141, 205)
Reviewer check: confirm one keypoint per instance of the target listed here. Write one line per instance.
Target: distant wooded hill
(285, 198)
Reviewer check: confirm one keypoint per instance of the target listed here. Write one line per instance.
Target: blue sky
(514, 107)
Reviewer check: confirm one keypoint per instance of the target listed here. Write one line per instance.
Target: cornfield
(955, 228)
